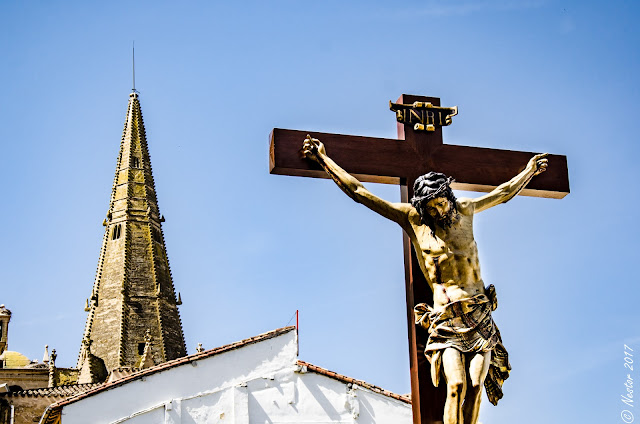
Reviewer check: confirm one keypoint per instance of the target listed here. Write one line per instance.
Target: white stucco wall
(294, 397)
(258, 383)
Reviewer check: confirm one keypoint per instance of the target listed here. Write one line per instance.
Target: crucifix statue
(453, 339)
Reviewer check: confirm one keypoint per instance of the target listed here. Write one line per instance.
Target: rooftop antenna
(133, 61)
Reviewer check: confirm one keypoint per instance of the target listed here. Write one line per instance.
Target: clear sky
(247, 248)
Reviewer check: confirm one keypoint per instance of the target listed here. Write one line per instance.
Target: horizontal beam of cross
(383, 160)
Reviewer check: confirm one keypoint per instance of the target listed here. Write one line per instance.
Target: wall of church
(210, 374)
(286, 396)
(29, 409)
(26, 378)
(256, 383)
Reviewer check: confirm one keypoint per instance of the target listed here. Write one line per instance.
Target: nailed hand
(538, 164)
(311, 147)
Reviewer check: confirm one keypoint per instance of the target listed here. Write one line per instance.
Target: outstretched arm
(398, 212)
(505, 192)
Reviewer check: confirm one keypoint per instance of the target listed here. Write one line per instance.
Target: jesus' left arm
(506, 191)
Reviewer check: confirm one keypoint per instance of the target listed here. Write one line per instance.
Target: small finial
(179, 302)
(45, 357)
(54, 355)
(86, 306)
(199, 348)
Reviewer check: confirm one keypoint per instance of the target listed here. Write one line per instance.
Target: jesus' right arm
(398, 212)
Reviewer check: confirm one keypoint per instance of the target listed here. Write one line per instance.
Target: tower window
(141, 348)
(115, 233)
(136, 162)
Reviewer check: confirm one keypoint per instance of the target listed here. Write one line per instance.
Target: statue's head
(434, 200)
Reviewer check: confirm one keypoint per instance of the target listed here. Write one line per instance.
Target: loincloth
(467, 326)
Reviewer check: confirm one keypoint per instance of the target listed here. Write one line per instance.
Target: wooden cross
(401, 161)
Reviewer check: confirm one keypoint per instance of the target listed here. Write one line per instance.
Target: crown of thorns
(430, 186)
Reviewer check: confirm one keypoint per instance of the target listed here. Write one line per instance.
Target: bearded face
(438, 208)
(439, 211)
(434, 200)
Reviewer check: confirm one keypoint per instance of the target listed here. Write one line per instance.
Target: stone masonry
(133, 290)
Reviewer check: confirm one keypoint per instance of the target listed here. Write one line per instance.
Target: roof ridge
(362, 383)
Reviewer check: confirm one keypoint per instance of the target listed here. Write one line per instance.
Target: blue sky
(247, 248)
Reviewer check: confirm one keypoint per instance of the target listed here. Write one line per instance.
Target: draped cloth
(466, 325)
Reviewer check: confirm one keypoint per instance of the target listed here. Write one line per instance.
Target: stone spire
(133, 290)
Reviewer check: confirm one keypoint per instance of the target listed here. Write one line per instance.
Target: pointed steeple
(133, 290)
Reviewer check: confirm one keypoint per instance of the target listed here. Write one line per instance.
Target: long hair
(431, 186)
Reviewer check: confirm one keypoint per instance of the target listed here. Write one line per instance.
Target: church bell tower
(133, 309)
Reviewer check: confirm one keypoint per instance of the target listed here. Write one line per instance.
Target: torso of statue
(449, 258)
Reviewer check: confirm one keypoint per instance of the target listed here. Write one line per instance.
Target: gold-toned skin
(448, 260)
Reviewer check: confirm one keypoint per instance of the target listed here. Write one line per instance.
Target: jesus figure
(464, 344)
